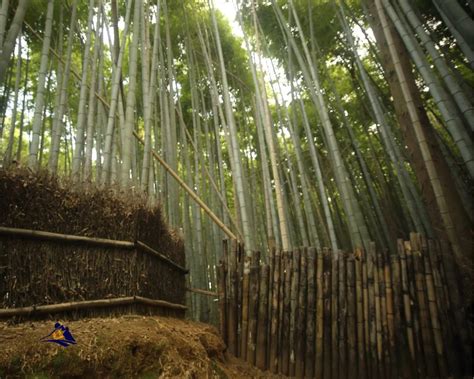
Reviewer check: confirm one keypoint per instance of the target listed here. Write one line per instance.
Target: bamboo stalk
(262, 324)
(310, 316)
(191, 193)
(86, 304)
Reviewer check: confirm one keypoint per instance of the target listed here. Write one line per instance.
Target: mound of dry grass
(129, 347)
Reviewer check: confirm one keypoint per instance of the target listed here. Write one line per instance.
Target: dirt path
(128, 347)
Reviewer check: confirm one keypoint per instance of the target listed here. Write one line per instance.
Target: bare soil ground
(124, 347)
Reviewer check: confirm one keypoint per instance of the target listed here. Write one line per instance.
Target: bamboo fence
(45, 273)
(324, 314)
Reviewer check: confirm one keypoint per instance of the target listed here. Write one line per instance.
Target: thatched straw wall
(39, 272)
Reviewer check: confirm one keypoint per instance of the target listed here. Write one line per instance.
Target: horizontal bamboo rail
(87, 304)
(37, 234)
(30, 233)
(202, 292)
(152, 251)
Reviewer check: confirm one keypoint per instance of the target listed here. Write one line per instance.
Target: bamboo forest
(311, 159)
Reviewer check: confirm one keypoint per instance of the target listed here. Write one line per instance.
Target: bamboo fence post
(301, 316)
(443, 308)
(327, 314)
(420, 358)
(378, 320)
(319, 315)
(366, 317)
(262, 327)
(351, 317)
(361, 366)
(399, 342)
(240, 261)
(275, 320)
(407, 304)
(342, 308)
(232, 308)
(285, 338)
(222, 304)
(425, 322)
(390, 315)
(311, 312)
(253, 308)
(245, 308)
(433, 309)
(383, 311)
(373, 357)
(334, 315)
(270, 316)
(294, 308)
(225, 263)
(457, 308)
